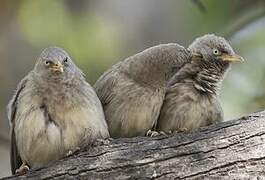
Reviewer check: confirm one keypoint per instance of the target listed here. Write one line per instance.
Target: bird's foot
(173, 132)
(100, 142)
(183, 130)
(23, 169)
(151, 133)
(178, 131)
(71, 152)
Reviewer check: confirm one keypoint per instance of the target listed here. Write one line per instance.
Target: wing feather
(106, 85)
(15, 159)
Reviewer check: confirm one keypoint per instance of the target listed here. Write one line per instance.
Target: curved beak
(232, 58)
(57, 67)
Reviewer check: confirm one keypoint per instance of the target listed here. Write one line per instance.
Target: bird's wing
(187, 70)
(15, 159)
(172, 52)
(104, 86)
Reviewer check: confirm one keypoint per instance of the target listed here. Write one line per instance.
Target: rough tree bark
(232, 150)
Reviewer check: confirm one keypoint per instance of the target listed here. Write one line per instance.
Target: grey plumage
(53, 111)
(192, 93)
(133, 90)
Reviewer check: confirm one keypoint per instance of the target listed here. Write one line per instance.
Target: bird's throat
(209, 78)
(205, 77)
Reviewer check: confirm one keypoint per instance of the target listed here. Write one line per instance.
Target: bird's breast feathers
(52, 128)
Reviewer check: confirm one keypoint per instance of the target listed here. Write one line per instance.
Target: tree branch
(233, 149)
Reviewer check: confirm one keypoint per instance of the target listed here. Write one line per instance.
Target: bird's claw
(178, 131)
(99, 142)
(151, 133)
(162, 133)
(71, 152)
(23, 169)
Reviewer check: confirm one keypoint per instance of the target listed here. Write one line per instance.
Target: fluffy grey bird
(192, 94)
(132, 91)
(53, 112)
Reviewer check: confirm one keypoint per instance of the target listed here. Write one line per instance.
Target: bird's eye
(216, 52)
(47, 63)
(65, 60)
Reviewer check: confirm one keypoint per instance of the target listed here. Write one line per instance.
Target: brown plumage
(132, 91)
(53, 112)
(192, 93)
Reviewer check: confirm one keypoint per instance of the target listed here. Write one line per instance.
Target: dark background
(99, 33)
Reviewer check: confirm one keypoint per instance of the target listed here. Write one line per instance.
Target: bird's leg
(23, 169)
(151, 133)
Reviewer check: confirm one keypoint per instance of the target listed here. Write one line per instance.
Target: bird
(53, 113)
(192, 94)
(132, 91)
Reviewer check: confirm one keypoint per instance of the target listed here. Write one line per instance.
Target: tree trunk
(229, 150)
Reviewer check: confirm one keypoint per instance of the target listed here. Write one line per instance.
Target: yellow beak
(232, 58)
(57, 67)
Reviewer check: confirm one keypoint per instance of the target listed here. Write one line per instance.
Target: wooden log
(229, 150)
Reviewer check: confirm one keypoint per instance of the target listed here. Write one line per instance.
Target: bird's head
(214, 49)
(55, 63)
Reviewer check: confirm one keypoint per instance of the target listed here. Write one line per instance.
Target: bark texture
(229, 150)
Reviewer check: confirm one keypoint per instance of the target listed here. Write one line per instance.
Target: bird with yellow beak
(53, 113)
(192, 93)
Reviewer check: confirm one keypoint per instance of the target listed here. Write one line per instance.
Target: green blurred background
(99, 33)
